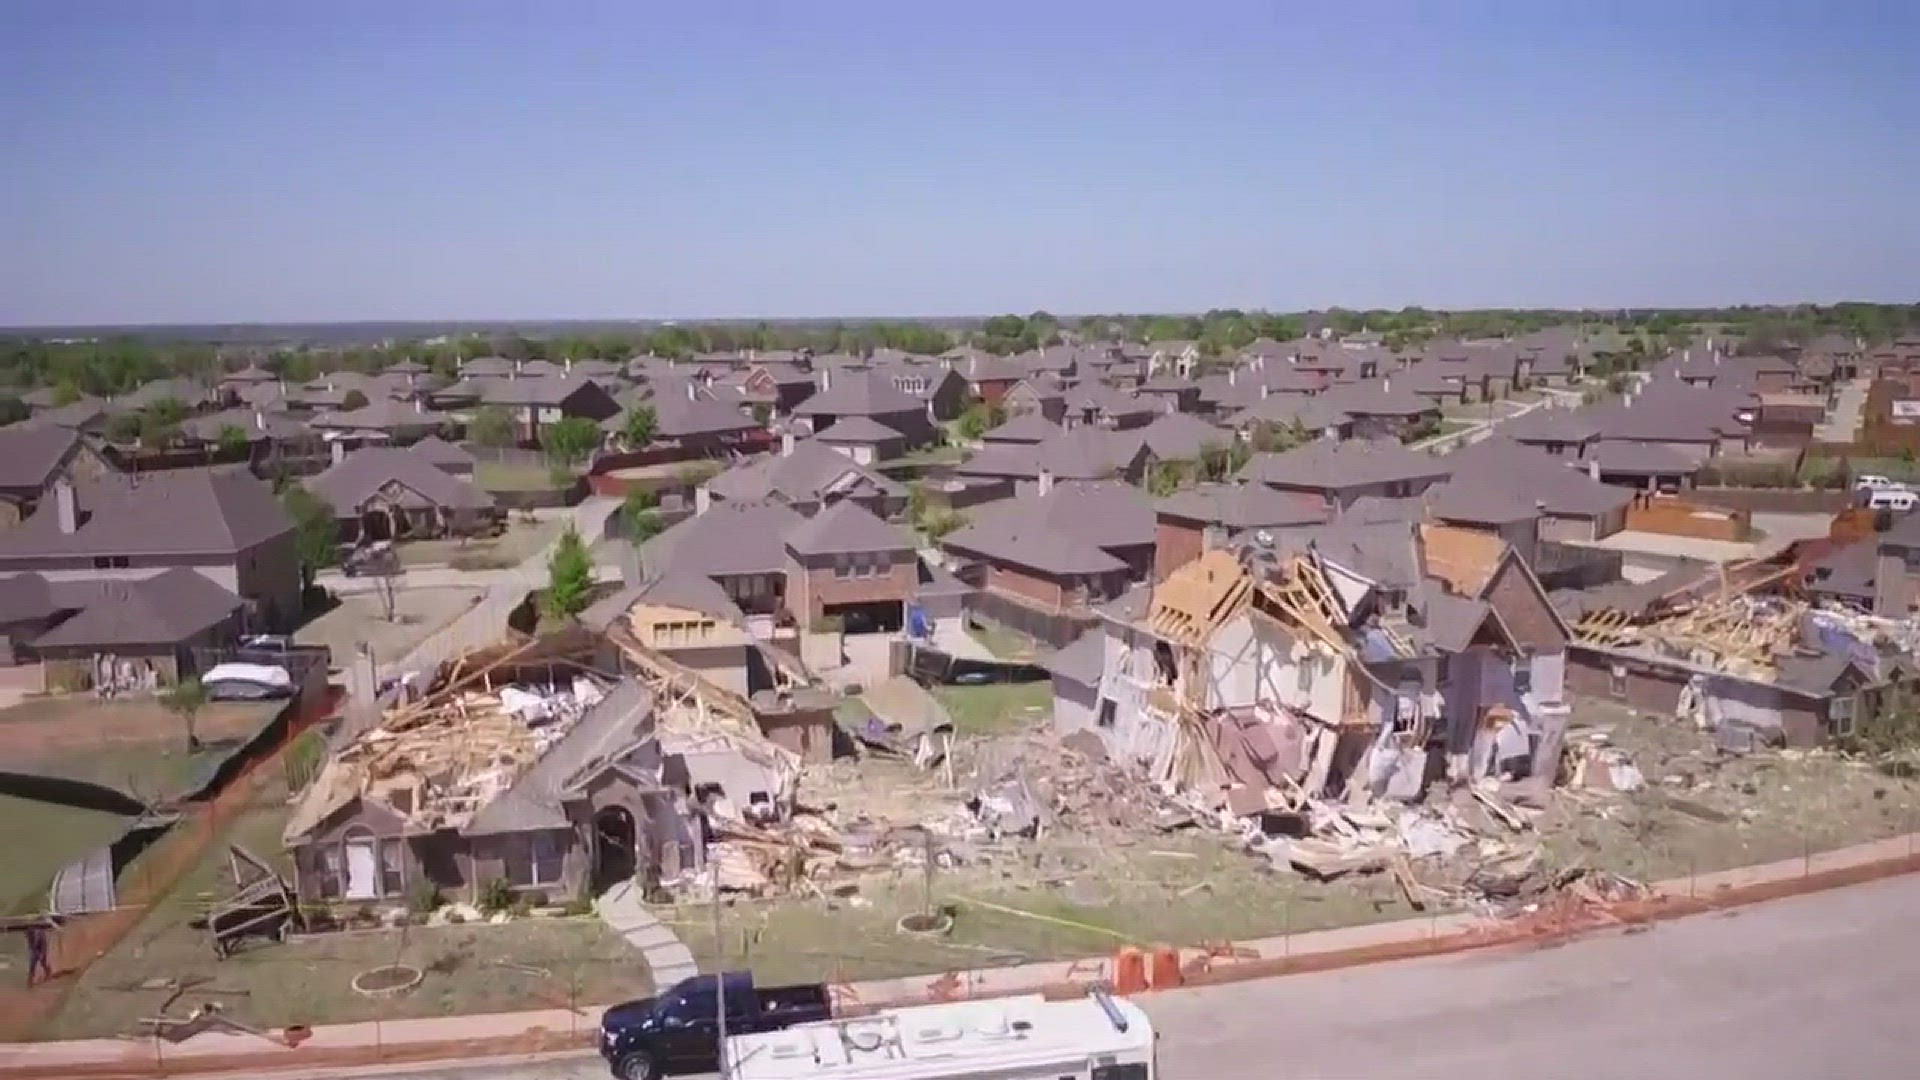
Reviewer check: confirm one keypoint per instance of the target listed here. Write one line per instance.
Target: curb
(1673, 900)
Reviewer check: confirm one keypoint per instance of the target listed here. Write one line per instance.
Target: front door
(362, 870)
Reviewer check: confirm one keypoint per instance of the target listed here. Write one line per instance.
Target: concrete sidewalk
(555, 1029)
(668, 959)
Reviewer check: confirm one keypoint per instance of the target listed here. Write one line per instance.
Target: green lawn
(997, 706)
(1002, 642)
(506, 476)
(40, 838)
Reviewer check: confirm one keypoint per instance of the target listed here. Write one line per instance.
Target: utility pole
(719, 954)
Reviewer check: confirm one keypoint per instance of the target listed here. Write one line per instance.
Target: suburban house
(385, 420)
(1562, 432)
(155, 622)
(778, 386)
(393, 493)
(1038, 396)
(1079, 454)
(1061, 549)
(942, 392)
(1183, 437)
(864, 440)
(222, 523)
(872, 395)
(1574, 504)
(533, 402)
(691, 620)
(543, 825)
(1434, 654)
(740, 546)
(1097, 405)
(1381, 410)
(33, 457)
(846, 564)
(1174, 393)
(805, 475)
(1341, 472)
(1025, 429)
(988, 377)
(1208, 516)
(445, 456)
(687, 416)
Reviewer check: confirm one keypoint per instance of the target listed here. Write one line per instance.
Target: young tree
(351, 400)
(157, 427)
(569, 578)
(233, 441)
(762, 413)
(315, 532)
(492, 426)
(979, 419)
(1165, 477)
(638, 514)
(185, 699)
(570, 440)
(385, 573)
(123, 428)
(640, 427)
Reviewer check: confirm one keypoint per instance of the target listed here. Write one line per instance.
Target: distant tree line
(110, 366)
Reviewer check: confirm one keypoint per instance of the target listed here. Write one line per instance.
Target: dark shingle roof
(1244, 506)
(1533, 476)
(730, 538)
(859, 393)
(363, 473)
(846, 526)
(805, 475)
(29, 453)
(1082, 661)
(858, 429)
(1337, 465)
(164, 609)
(178, 512)
(1104, 514)
(1634, 458)
(1028, 428)
(1181, 437)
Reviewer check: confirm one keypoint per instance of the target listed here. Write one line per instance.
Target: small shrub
(454, 918)
(496, 895)
(424, 898)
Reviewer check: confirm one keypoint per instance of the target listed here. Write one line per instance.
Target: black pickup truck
(679, 1031)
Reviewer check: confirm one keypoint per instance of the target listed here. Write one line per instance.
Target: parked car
(1872, 482)
(679, 1031)
(246, 682)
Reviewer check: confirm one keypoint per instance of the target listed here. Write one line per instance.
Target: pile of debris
(437, 761)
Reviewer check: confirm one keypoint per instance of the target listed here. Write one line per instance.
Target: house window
(1105, 718)
(393, 868)
(535, 859)
(111, 562)
(1840, 716)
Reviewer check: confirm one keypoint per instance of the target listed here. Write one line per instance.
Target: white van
(1097, 1037)
(1892, 499)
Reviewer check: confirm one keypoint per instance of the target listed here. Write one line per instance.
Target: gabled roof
(678, 589)
(164, 609)
(846, 527)
(858, 429)
(1533, 476)
(1645, 459)
(807, 474)
(176, 512)
(859, 393)
(1103, 514)
(1333, 466)
(1029, 428)
(1108, 400)
(382, 414)
(1385, 398)
(1182, 436)
(680, 416)
(185, 391)
(730, 538)
(1243, 506)
(1549, 425)
(442, 453)
(29, 453)
(1032, 545)
(347, 485)
(537, 800)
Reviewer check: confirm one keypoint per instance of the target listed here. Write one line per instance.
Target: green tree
(980, 418)
(123, 427)
(13, 410)
(567, 442)
(185, 699)
(233, 441)
(315, 532)
(351, 400)
(641, 426)
(762, 412)
(65, 394)
(492, 426)
(1166, 477)
(569, 578)
(158, 427)
(1269, 438)
(639, 514)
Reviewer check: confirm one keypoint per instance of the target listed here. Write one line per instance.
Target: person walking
(38, 967)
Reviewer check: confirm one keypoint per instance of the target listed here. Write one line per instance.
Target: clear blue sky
(192, 162)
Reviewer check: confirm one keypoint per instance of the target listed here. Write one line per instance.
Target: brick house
(845, 563)
(223, 523)
(34, 456)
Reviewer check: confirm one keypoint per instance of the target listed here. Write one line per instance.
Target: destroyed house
(551, 787)
(1377, 657)
(1738, 652)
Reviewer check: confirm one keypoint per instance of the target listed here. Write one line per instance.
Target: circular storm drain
(387, 981)
(925, 924)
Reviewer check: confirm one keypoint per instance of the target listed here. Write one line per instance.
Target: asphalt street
(1820, 986)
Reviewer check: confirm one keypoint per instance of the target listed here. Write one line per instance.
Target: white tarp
(262, 674)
